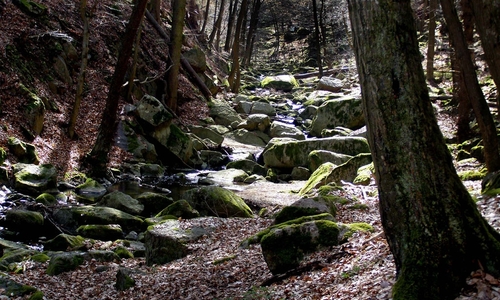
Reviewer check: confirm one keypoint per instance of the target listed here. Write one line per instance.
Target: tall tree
(433, 227)
(218, 22)
(431, 42)
(174, 47)
(254, 21)
(468, 73)
(205, 17)
(317, 42)
(233, 8)
(235, 73)
(98, 157)
(486, 16)
(83, 69)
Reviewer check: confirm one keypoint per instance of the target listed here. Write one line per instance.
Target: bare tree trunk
(433, 227)
(234, 75)
(83, 69)
(467, 70)
(175, 46)
(131, 78)
(154, 8)
(233, 8)
(98, 157)
(205, 17)
(486, 16)
(317, 43)
(254, 21)
(218, 22)
(431, 41)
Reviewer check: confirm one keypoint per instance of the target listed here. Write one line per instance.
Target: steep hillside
(40, 54)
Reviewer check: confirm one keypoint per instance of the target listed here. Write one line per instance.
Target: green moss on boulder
(217, 201)
(64, 262)
(179, 209)
(63, 242)
(109, 232)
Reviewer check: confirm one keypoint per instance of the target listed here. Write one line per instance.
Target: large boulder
(330, 84)
(288, 153)
(319, 157)
(196, 58)
(207, 133)
(73, 217)
(152, 111)
(167, 241)
(280, 82)
(34, 110)
(265, 108)
(90, 190)
(255, 138)
(34, 179)
(217, 201)
(249, 166)
(153, 202)
(223, 113)
(330, 173)
(284, 246)
(25, 152)
(179, 209)
(110, 232)
(260, 122)
(65, 242)
(225, 177)
(65, 261)
(280, 129)
(122, 202)
(16, 290)
(344, 112)
(24, 221)
(305, 207)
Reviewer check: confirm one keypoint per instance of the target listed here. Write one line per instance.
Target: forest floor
(218, 268)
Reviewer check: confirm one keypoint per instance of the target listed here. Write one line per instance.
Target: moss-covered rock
(217, 201)
(223, 113)
(64, 262)
(124, 281)
(123, 252)
(318, 177)
(249, 166)
(15, 256)
(345, 112)
(101, 255)
(109, 232)
(153, 202)
(34, 109)
(256, 238)
(207, 133)
(73, 217)
(24, 221)
(34, 179)
(364, 174)
(65, 242)
(90, 190)
(280, 82)
(153, 111)
(306, 207)
(13, 289)
(3, 155)
(31, 8)
(287, 153)
(318, 157)
(473, 174)
(123, 202)
(166, 242)
(347, 230)
(46, 199)
(285, 245)
(179, 209)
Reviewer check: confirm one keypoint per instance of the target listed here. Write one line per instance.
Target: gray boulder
(225, 177)
(153, 111)
(25, 152)
(223, 113)
(64, 242)
(280, 129)
(260, 122)
(280, 82)
(73, 217)
(207, 133)
(196, 58)
(255, 138)
(217, 201)
(244, 107)
(330, 84)
(24, 221)
(319, 157)
(153, 202)
(65, 261)
(287, 153)
(179, 209)
(34, 179)
(109, 232)
(123, 202)
(263, 108)
(284, 246)
(345, 112)
(249, 166)
(167, 241)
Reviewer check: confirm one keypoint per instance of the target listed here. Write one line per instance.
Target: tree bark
(431, 41)
(467, 70)
(233, 8)
(433, 227)
(98, 157)
(254, 21)
(205, 17)
(317, 43)
(174, 47)
(486, 15)
(234, 74)
(83, 68)
(217, 24)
